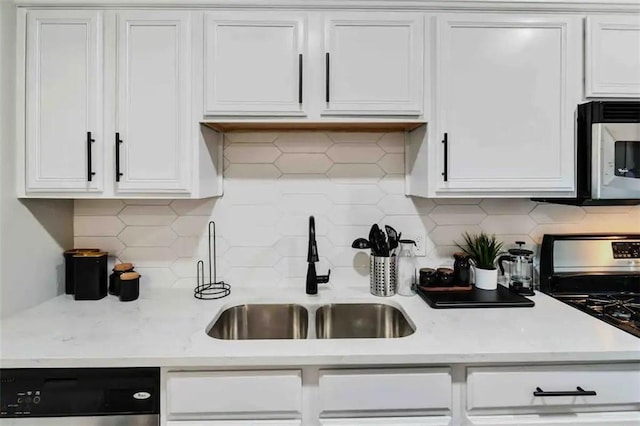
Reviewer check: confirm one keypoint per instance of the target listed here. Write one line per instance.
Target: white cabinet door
(628, 418)
(535, 389)
(153, 113)
(388, 421)
(235, 423)
(384, 392)
(507, 90)
(613, 56)
(254, 63)
(374, 63)
(64, 101)
(234, 395)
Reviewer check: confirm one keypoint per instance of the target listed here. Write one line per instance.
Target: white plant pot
(486, 279)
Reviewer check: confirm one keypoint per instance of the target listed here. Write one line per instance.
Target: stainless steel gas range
(596, 273)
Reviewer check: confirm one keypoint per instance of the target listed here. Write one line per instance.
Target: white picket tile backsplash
(274, 181)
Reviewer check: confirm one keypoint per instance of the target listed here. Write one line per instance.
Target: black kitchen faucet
(312, 257)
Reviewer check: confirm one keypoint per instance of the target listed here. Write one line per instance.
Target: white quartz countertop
(166, 328)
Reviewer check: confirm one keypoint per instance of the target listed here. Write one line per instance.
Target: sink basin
(255, 321)
(360, 321)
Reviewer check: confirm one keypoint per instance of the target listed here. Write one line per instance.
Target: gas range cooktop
(595, 273)
(621, 310)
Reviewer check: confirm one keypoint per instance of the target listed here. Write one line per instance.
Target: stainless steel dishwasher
(80, 396)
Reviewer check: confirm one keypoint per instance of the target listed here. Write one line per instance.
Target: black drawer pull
(90, 172)
(300, 78)
(445, 141)
(326, 80)
(578, 392)
(118, 142)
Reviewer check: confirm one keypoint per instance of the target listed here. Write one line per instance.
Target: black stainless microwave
(607, 154)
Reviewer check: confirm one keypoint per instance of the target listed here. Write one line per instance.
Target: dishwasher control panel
(20, 403)
(79, 392)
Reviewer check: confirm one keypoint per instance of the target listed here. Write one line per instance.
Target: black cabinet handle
(300, 78)
(445, 141)
(90, 173)
(578, 392)
(326, 80)
(118, 142)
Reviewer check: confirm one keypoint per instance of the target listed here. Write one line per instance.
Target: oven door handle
(578, 392)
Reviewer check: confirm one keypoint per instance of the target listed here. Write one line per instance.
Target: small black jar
(461, 269)
(114, 278)
(129, 286)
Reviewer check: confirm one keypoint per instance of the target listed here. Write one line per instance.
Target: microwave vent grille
(623, 111)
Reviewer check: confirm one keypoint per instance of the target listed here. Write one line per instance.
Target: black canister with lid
(428, 277)
(129, 286)
(445, 277)
(461, 269)
(114, 278)
(69, 276)
(90, 273)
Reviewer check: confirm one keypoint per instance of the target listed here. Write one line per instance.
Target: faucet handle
(323, 279)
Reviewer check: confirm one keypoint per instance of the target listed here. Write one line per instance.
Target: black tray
(475, 298)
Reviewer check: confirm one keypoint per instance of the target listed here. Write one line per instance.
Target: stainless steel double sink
(292, 321)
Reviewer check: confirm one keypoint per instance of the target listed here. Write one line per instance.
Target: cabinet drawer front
(235, 423)
(389, 421)
(406, 391)
(514, 387)
(235, 395)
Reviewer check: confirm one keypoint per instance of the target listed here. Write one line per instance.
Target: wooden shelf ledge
(377, 126)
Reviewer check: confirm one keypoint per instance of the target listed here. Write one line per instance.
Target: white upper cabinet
(374, 63)
(109, 106)
(153, 114)
(254, 63)
(613, 56)
(64, 101)
(507, 91)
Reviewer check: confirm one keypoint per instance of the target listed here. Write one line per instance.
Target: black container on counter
(129, 286)
(445, 277)
(90, 275)
(461, 269)
(69, 281)
(114, 278)
(428, 277)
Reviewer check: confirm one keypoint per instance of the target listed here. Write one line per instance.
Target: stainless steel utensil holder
(382, 275)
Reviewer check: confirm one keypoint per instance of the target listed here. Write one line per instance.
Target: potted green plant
(483, 250)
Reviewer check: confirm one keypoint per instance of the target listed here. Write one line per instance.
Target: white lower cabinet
(341, 397)
(518, 395)
(234, 423)
(384, 393)
(219, 397)
(554, 395)
(388, 421)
